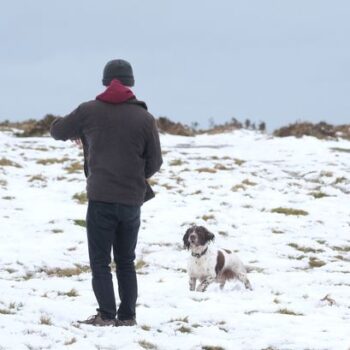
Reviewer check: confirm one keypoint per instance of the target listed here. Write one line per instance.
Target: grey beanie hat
(118, 69)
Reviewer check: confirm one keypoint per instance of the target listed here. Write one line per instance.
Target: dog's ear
(208, 235)
(185, 239)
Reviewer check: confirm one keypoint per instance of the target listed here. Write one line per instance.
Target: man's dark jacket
(121, 145)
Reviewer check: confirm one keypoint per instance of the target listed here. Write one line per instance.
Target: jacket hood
(116, 93)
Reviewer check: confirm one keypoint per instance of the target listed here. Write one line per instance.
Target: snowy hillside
(281, 204)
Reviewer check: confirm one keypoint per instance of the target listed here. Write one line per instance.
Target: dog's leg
(192, 283)
(244, 279)
(222, 283)
(204, 284)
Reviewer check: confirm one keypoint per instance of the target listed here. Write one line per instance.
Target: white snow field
(281, 204)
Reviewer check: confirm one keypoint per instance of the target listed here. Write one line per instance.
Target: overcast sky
(277, 61)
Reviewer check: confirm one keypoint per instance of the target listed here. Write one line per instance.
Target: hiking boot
(127, 323)
(97, 320)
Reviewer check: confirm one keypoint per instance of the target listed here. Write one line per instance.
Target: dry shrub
(167, 126)
(320, 130)
(36, 128)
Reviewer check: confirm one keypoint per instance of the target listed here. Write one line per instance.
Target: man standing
(121, 151)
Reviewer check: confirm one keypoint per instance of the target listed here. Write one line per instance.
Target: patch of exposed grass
(8, 162)
(305, 249)
(196, 325)
(212, 347)
(73, 168)
(147, 345)
(339, 180)
(79, 222)
(239, 162)
(206, 170)
(38, 177)
(315, 262)
(167, 186)
(184, 329)
(49, 161)
(176, 162)
(219, 166)
(318, 194)
(208, 217)
(344, 248)
(140, 264)
(152, 182)
(56, 230)
(71, 293)
(8, 198)
(340, 149)
(40, 148)
(66, 272)
(70, 341)
(326, 173)
(3, 183)
(28, 275)
(180, 319)
(80, 197)
(10, 270)
(196, 192)
(251, 312)
(46, 320)
(223, 233)
(238, 187)
(299, 257)
(289, 211)
(329, 300)
(6, 312)
(286, 311)
(145, 327)
(277, 231)
(248, 182)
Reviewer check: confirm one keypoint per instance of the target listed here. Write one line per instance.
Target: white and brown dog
(211, 265)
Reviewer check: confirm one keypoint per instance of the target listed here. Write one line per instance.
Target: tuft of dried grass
(49, 161)
(315, 262)
(305, 249)
(289, 211)
(80, 197)
(184, 329)
(208, 217)
(80, 222)
(73, 168)
(318, 194)
(239, 162)
(71, 293)
(70, 341)
(66, 272)
(286, 311)
(147, 345)
(8, 162)
(46, 320)
(206, 170)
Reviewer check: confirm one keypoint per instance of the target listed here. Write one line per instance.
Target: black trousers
(113, 225)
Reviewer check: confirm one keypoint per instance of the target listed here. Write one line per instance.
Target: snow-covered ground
(231, 183)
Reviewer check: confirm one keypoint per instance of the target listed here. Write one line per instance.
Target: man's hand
(77, 142)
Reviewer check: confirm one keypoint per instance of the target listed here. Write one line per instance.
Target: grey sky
(277, 61)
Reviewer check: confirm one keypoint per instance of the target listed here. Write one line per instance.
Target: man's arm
(153, 152)
(68, 127)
